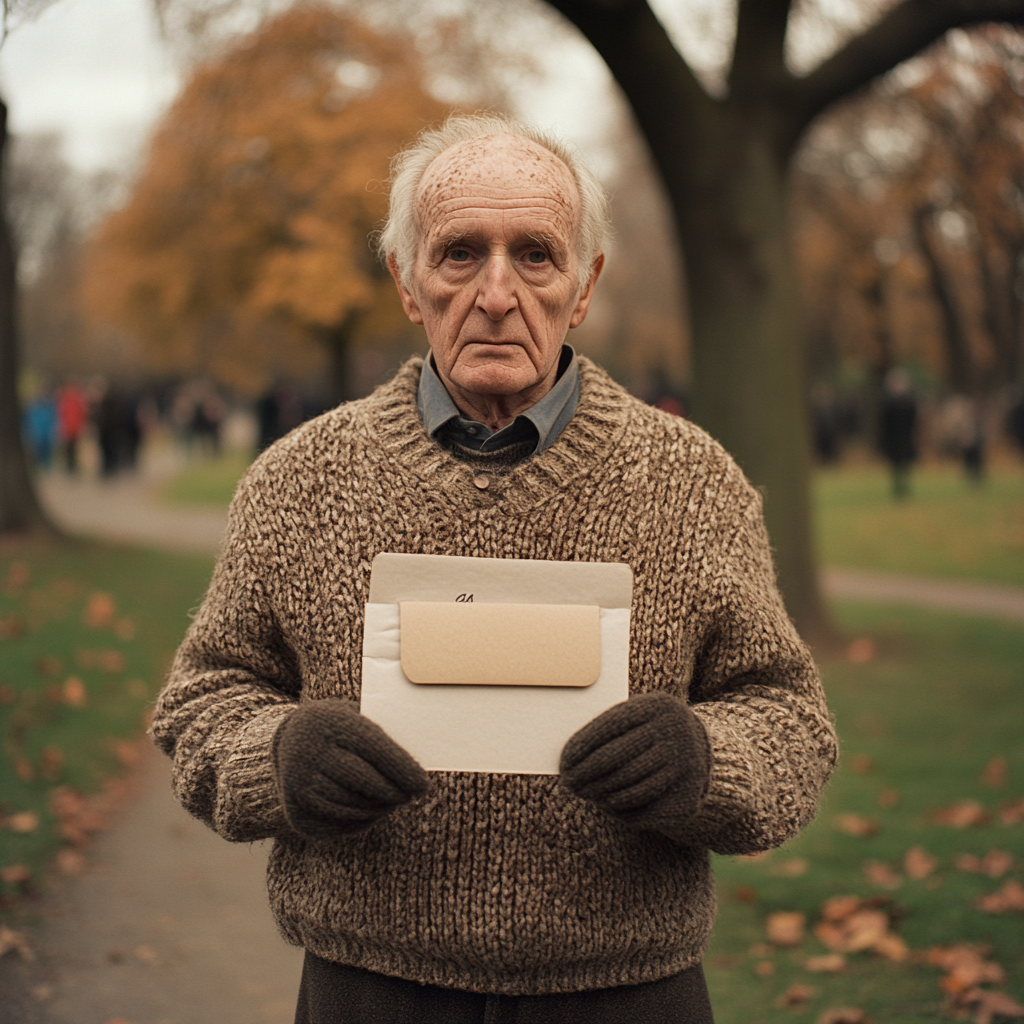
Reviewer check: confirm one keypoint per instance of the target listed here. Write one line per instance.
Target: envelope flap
(500, 644)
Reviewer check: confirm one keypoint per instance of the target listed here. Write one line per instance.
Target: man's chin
(494, 378)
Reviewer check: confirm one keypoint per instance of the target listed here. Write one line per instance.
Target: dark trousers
(335, 994)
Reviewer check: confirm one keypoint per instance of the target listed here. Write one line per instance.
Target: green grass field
(86, 634)
(945, 528)
(943, 696)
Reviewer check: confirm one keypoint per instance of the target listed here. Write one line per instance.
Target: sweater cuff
(248, 804)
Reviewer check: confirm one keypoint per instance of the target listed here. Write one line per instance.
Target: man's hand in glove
(338, 772)
(646, 761)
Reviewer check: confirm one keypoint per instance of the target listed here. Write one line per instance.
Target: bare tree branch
(759, 57)
(670, 104)
(903, 32)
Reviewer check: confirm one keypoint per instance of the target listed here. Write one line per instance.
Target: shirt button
(482, 480)
(472, 430)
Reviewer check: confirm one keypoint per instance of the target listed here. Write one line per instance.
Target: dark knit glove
(338, 772)
(646, 761)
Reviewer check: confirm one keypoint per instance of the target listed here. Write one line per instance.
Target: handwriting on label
(464, 599)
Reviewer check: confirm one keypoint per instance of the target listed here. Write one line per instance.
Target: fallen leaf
(892, 947)
(12, 627)
(793, 868)
(74, 692)
(918, 863)
(15, 874)
(838, 908)
(100, 610)
(24, 821)
(8, 695)
(12, 940)
(995, 773)
(23, 769)
(124, 629)
(786, 928)
(882, 875)
(996, 863)
(761, 949)
(764, 969)
(795, 995)
(1012, 812)
(138, 688)
(861, 651)
(1009, 898)
(989, 1004)
(862, 764)
(888, 799)
(70, 862)
(830, 963)
(42, 992)
(864, 929)
(962, 814)
(843, 1015)
(111, 661)
(130, 754)
(754, 857)
(856, 825)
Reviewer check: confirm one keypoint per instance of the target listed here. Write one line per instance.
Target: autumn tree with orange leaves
(244, 243)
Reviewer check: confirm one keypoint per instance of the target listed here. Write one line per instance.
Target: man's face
(496, 281)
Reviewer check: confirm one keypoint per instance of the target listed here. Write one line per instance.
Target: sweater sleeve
(757, 691)
(233, 681)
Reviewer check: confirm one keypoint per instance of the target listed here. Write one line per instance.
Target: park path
(170, 924)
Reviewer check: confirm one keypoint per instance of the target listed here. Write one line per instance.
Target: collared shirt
(542, 423)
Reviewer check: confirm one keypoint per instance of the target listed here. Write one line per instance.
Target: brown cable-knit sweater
(498, 883)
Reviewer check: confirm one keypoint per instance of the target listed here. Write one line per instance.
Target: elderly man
(471, 897)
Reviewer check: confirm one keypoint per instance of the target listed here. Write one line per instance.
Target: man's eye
(536, 256)
(458, 255)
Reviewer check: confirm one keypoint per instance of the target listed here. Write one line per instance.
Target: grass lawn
(86, 634)
(945, 528)
(208, 481)
(918, 725)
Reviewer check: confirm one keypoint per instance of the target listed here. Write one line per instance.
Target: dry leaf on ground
(15, 874)
(1012, 812)
(843, 1015)
(793, 868)
(889, 799)
(795, 995)
(862, 764)
(995, 863)
(856, 825)
(992, 1004)
(849, 925)
(70, 862)
(918, 863)
(786, 928)
(1009, 898)
(74, 692)
(764, 969)
(147, 955)
(24, 821)
(995, 773)
(100, 610)
(11, 940)
(830, 963)
(861, 651)
(882, 875)
(965, 967)
(962, 814)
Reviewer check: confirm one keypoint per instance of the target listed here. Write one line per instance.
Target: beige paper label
(500, 644)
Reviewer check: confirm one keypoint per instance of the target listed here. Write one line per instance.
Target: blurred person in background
(463, 897)
(898, 429)
(72, 417)
(40, 425)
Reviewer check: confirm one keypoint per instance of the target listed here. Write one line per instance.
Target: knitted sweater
(498, 883)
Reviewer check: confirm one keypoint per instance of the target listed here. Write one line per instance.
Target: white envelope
(547, 669)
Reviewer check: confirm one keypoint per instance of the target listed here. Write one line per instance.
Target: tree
(20, 510)
(245, 237)
(724, 162)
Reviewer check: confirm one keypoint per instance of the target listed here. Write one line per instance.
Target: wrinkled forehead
(501, 170)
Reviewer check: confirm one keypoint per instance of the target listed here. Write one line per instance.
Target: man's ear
(579, 314)
(409, 303)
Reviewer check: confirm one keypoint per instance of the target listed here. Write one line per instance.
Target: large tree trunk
(748, 352)
(20, 510)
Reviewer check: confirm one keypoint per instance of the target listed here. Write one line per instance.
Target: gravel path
(170, 925)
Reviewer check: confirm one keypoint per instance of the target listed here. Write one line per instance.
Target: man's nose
(497, 295)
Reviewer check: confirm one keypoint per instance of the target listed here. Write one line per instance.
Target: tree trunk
(748, 352)
(20, 510)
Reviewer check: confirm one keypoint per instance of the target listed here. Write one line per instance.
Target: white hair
(400, 234)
